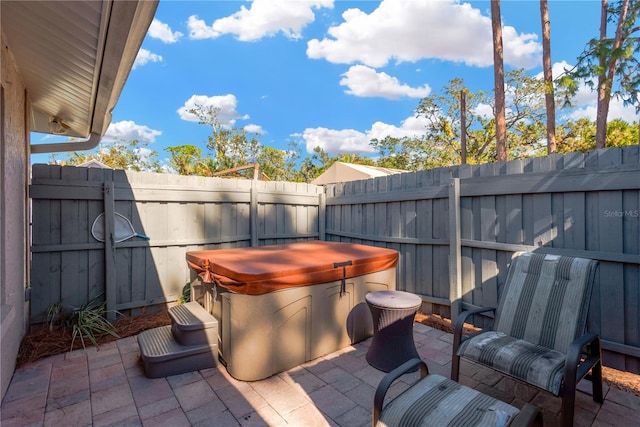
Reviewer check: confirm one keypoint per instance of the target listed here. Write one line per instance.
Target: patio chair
(538, 331)
(434, 400)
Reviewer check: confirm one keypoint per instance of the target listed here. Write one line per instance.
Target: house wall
(14, 176)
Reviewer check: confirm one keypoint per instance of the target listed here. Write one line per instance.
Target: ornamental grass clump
(89, 321)
(86, 322)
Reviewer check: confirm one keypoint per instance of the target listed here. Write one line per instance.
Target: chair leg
(455, 367)
(596, 370)
(596, 381)
(568, 406)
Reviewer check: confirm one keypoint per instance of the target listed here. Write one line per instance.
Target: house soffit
(74, 58)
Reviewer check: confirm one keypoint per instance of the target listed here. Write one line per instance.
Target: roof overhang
(74, 58)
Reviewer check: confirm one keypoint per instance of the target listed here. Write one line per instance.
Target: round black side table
(393, 313)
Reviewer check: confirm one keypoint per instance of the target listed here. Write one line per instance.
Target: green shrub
(185, 296)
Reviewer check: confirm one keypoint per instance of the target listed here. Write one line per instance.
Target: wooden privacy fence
(178, 213)
(455, 228)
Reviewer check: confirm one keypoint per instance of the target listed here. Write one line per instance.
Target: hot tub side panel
(261, 335)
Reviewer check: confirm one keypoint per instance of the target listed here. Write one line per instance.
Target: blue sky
(329, 73)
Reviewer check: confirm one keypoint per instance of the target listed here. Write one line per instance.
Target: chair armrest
(389, 378)
(459, 325)
(574, 368)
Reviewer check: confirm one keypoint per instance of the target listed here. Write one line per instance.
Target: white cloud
(409, 128)
(353, 141)
(364, 81)
(520, 50)
(336, 141)
(617, 110)
(254, 129)
(484, 110)
(262, 18)
(408, 31)
(225, 104)
(161, 31)
(128, 130)
(144, 56)
(145, 154)
(198, 29)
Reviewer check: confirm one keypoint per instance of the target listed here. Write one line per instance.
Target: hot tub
(279, 306)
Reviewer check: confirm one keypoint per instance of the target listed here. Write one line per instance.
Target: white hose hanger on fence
(122, 229)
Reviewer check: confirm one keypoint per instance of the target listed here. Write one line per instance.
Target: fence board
(574, 220)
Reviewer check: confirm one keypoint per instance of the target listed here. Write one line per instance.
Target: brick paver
(108, 387)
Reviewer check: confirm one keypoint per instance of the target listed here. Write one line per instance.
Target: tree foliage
(279, 165)
(188, 160)
(441, 143)
(127, 155)
(606, 61)
(231, 147)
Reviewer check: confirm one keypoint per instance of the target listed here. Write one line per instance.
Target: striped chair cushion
(521, 359)
(545, 299)
(438, 401)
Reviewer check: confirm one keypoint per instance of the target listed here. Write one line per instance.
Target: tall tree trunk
(608, 64)
(548, 77)
(603, 100)
(463, 127)
(498, 73)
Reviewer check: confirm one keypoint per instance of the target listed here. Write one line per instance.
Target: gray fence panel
(576, 204)
(177, 213)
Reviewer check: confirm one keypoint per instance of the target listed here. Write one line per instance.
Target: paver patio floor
(108, 387)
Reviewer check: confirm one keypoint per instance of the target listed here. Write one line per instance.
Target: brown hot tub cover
(263, 269)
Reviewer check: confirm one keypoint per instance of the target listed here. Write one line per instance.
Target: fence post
(322, 215)
(109, 251)
(455, 265)
(253, 213)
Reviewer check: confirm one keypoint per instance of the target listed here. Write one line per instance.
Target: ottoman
(434, 400)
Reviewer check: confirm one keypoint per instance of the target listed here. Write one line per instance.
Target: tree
(232, 147)
(441, 143)
(119, 154)
(525, 114)
(279, 165)
(498, 73)
(621, 133)
(187, 160)
(548, 77)
(580, 135)
(401, 153)
(356, 159)
(607, 60)
(313, 166)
